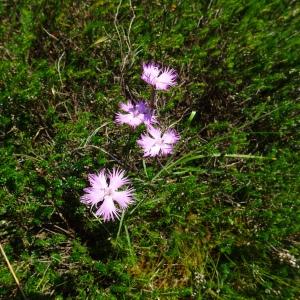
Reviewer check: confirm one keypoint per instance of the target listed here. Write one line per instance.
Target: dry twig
(12, 271)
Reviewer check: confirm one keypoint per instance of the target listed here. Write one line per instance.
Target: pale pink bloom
(156, 143)
(135, 114)
(150, 73)
(161, 79)
(104, 193)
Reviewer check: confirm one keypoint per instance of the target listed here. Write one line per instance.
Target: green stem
(152, 98)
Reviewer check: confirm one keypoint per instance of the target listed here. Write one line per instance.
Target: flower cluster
(155, 142)
(109, 192)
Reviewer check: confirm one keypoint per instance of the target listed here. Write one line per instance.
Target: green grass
(219, 219)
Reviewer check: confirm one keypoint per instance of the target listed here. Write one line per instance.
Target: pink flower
(160, 78)
(150, 73)
(156, 143)
(136, 114)
(104, 192)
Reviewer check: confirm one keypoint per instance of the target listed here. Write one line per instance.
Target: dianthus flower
(135, 114)
(157, 143)
(160, 78)
(104, 193)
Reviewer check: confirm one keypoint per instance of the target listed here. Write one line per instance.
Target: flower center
(159, 142)
(135, 113)
(108, 192)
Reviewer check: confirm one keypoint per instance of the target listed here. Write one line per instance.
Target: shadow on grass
(33, 296)
(96, 238)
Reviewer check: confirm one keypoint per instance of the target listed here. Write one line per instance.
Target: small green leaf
(102, 39)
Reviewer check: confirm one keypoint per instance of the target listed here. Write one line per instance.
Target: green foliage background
(213, 221)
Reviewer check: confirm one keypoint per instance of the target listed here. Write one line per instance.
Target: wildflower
(156, 143)
(161, 79)
(150, 73)
(136, 114)
(104, 193)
